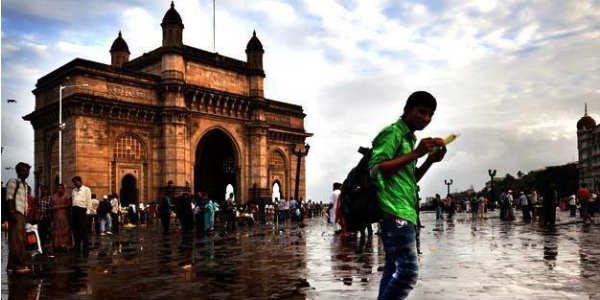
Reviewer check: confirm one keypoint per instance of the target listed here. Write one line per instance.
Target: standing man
(16, 194)
(103, 213)
(230, 213)
(437, 204)
(394, 168)
(502, 200)
(164, 209)
(509, 213)
(524, 206)
(82, 201)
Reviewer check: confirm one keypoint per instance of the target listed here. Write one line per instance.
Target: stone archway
(278, 172)
(129, 190)
(217, 165)
(276, 191)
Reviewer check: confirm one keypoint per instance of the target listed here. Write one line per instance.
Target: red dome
(586, 122)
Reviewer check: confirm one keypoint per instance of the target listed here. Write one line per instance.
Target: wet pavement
(461, 259)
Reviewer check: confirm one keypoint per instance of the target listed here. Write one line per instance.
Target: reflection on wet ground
(461, 259)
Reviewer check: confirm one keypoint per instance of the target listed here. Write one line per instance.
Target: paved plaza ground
(461, 259)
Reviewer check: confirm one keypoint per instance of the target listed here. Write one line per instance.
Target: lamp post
(61, 125)
(492, 173)
(299, 153)
(448, 183)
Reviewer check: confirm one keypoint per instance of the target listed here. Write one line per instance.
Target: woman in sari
(61, 229)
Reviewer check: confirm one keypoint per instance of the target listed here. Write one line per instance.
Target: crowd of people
(63, 218)
(533, 205)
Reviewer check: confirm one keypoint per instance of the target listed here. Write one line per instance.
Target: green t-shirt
(397, 192)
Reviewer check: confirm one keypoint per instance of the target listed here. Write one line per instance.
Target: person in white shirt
(82, 201)
(16, 195)
(333, 202)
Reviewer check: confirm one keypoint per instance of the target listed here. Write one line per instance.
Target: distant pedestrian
(282, 210)
(199, 204)
(82, 201)
(62, 239)
(482, 206)
(585, 198)
(210, 208)
(474, 207)
(93, 223)
(262, 211)
(16, 194)
(164, 209)
(502, 202)
(230, 213)
(104, 216)
(573, 205)
(333, 202)
(550, 202)
(509, 202)
(115, 213)
(294, 212)
(523, 201)
(437, 204)
(44, 216)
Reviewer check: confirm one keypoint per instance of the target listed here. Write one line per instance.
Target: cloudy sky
(511, 77)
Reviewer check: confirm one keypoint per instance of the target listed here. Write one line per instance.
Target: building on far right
(588, 147)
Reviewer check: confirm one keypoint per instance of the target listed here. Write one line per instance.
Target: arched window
(130, 148)
(276, 161)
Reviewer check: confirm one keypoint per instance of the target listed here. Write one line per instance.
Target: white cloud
(511, 77)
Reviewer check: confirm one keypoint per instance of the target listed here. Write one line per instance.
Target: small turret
(119, 52)
(586, 122)
(254, 55)
(172, 28)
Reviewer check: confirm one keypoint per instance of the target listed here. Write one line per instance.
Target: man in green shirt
(393, 168)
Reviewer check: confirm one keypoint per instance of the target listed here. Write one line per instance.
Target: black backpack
(360, 205)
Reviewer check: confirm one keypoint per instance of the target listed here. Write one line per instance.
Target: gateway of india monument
(177, 118)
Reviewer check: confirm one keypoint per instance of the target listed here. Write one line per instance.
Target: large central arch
(216, 165)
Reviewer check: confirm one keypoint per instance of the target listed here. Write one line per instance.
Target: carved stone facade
(178, 115)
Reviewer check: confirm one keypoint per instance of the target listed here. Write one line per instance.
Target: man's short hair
(337, 186)
(76, 178)
(583, 185)
(22, 165)
(421, 98)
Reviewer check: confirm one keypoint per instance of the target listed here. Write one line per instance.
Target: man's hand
(427, 145)
(438, 155)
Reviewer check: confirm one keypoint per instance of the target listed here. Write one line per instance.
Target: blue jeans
(401, 268)
(106, 223)
(438, 213)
